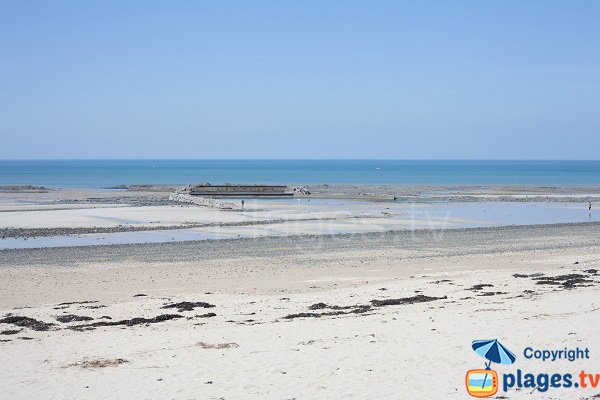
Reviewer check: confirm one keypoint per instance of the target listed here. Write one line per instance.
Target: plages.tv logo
(484, 382)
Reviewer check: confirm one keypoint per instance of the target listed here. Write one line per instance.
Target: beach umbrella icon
(478, 383)
(493, 351)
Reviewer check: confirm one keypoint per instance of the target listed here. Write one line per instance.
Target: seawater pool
(359, 217)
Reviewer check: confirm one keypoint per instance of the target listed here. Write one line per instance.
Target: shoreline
(458, 192)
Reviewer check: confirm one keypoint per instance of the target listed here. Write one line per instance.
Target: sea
(114, 173)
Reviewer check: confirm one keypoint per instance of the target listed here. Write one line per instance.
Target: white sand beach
(367, 315)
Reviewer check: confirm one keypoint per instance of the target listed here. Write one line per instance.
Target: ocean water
(109, 173)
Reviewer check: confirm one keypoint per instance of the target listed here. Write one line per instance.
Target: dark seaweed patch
(538, 274)
(94, 307)
(359, 309)
(78, 302)
(567, 281)
(491, 293)
(207, 315)
(315, 315)
(72, 318)
(188, 305)
(128, 322)
(480, 286)
(322, 306)
(26, 322)
(10, 331)
(420, 298)
(441, 281)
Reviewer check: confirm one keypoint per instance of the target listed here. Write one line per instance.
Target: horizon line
(294, 159)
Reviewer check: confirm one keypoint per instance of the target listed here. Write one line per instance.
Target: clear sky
(300, 79)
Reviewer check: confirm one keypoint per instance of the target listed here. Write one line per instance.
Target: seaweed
(420, 298)
(188, 305)
(480, 286)
(72, 317)
(567, 281)
(207, 315)
(26, 322)
(128, 322)
(360, 308)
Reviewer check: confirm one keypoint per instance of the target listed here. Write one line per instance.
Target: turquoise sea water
(107, 173)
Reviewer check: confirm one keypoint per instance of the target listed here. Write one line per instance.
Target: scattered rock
(23, 189)
(204, 201)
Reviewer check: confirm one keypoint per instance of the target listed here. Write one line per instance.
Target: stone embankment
(204, 201)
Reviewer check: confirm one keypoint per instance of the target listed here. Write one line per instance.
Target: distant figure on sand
(590, 207)
(242, 203)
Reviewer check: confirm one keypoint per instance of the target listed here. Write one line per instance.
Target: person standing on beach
(590, 207)
(242, 203)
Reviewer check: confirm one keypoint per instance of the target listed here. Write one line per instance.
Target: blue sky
(312, 79)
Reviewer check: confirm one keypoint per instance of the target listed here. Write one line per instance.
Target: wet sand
(91, 216)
